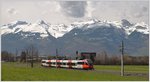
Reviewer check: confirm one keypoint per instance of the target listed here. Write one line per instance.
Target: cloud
(143, 11)
(90, 8)
(76, 9)
(135, 11)
(12, 11)
(66, 12)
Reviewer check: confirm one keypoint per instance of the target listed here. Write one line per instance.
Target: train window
(48, 62)
(90, 62)
(80, 63)
(64, 63)
(58, 63)
(43, 62)
(72, 63)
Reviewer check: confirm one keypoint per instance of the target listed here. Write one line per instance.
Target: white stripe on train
(77, 64)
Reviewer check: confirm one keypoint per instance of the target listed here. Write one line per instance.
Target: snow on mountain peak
(12, 27)
(90, 21)
(139, 27)
(59, 30)
(142, 24)
(142, 27)
(125, 23)
(40, 22)
(18, 23)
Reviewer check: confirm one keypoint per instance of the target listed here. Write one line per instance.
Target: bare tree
(6, 56)
(104, 57)
(98, 59)
(23, 56)
(32, 54)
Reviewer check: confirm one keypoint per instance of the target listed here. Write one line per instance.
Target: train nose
(91, 67)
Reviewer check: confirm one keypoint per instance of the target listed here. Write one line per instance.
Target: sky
(67, 12)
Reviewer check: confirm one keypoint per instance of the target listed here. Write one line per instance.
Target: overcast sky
(56, 12)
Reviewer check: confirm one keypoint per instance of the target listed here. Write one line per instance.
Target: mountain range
(90, 35)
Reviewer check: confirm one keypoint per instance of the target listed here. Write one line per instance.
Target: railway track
(117, 72)
(125, 73)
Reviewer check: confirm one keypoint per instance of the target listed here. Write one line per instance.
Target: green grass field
(127, 68)
(23, 72)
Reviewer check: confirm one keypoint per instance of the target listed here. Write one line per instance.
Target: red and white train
(75, 64)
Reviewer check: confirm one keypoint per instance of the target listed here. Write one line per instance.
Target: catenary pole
(122, 58)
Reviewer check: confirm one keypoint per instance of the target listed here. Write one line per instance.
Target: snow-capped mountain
(89, 35)
(38, 27)
(139, 27)
(59, 30)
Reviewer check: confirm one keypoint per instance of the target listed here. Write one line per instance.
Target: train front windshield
(90, 62)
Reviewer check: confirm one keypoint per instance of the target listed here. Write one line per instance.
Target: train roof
(67, 60)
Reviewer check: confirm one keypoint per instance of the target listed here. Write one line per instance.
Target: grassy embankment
(23, 72)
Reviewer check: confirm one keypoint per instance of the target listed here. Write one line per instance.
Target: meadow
(15, 71)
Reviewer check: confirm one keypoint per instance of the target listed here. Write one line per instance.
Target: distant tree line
(30, 54)
(8, 57)
(103, 59)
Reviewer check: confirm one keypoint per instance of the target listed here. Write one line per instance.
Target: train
(85, 64)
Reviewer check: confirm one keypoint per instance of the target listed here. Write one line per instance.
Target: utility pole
(32, 49)
(122, 58)
(77, 55)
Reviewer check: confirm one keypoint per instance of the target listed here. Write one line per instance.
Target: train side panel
(76, 64)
